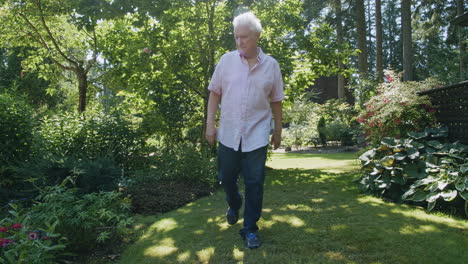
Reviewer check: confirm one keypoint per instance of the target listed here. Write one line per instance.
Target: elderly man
(249, 85)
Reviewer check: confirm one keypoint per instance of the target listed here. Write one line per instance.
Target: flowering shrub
(397, 109)
(21, 242)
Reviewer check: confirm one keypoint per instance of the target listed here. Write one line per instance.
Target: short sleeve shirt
(246, 95)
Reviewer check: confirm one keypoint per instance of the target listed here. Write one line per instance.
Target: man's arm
(277, 109)
(213, 103)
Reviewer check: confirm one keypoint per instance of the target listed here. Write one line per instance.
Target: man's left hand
(276, 139)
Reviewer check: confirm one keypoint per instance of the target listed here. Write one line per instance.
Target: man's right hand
(210, 134)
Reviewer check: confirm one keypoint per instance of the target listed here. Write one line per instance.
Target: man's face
(246, 40)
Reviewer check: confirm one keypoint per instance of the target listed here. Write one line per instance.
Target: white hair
(248, 19)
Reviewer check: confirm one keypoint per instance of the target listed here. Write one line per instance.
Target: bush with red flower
(397, 109)
(20, 242)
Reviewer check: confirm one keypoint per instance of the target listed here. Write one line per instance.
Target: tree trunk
(211, 65)
(461, 44)
(407, 41)
(379, 37)
(361, 38)
(339, 36)
(82, 77)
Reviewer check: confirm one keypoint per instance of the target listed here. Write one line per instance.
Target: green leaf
(417, 135)
(464, 168)
(460, 183)
(388, 161)
(368, 155)
(430, 150)
(408, 193)
(389, 142)
(398, 180)
(435, 144)
(419, 196)
(449, 195)
(431, 206)
(417, 145)
(464, 195)
(412, 153)
(375, 172)
(433, 196)
(399, 156)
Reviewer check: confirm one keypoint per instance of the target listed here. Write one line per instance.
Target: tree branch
(42, 42)
(54, 41)
(94, 59)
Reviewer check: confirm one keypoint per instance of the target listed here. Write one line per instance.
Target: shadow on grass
(309, 216)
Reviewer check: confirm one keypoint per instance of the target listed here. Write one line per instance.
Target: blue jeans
(252, 166)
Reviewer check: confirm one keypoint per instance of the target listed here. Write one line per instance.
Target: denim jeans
(252, 166)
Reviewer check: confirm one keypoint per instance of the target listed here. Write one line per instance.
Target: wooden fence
(451, 103)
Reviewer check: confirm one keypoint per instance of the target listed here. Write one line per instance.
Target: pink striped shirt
(246, 95)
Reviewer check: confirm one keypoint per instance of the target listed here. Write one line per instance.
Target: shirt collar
(260, 55)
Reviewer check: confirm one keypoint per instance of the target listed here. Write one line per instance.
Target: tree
(461, 40)
(407, 40)
(379, 38)
(57, 38)
(339, 37)
(361, 37)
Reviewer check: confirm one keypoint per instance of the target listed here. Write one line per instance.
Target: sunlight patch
(297, 207)
(164, 225)
(411, 230)
(237, 254)
(338, 227)
(183, 257)
(199, 232)
(289, 219)
(317, 200)
(333, 255)
(205, 255)
(164, 248)
(422, 215)
(266, 210)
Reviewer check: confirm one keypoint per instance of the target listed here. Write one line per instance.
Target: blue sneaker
(232, 216)
(252, 240)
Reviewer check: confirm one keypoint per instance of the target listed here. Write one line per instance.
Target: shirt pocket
(263, 85)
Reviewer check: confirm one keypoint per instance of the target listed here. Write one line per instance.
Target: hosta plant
(420, 168)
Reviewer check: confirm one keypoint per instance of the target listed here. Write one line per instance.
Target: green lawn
(312, 213)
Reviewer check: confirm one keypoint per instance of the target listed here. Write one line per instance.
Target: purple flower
(33, 236)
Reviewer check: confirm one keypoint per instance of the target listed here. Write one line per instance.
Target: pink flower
(5, 242)
(386, 100)
(3, 229)
(361, 120)
(389, 78)
(16, 226)
(33, 236)
(369, 107)
(147, 51)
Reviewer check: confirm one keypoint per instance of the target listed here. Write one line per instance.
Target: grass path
(312, 213)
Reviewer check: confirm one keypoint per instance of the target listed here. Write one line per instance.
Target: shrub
(23, 242)
(419, 168)
(85, 220)
(101, 174)
(16, 129)
(98, 135)
(397, 109)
